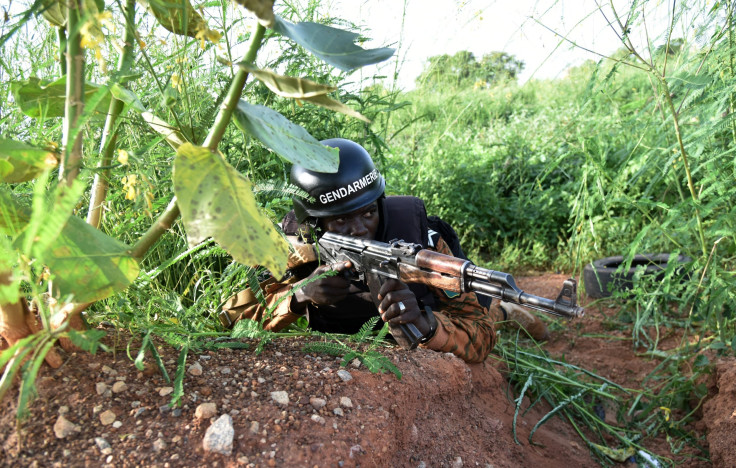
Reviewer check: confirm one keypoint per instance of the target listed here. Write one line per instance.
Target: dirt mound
(719, 415)
(441, 412)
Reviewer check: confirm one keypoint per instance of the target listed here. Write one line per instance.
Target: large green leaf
(127, 96)
(303, 89)
(178, 16)
(88, 263)
(20, 162)
(38, 98)
(83, 261)
(9, 285)
(13, 216)
(332, 45)
(287, 139)
(216, 201)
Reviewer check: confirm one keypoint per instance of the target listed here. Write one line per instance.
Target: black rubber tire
(601, 276)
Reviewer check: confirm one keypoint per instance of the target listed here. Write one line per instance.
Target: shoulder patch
(451, 294)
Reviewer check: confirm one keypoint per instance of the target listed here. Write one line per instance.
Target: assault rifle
(374, 262)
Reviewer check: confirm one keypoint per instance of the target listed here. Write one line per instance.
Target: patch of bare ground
(289, 408)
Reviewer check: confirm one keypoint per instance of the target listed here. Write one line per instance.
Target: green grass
(612, 159)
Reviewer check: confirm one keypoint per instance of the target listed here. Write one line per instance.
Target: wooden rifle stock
(411, 263)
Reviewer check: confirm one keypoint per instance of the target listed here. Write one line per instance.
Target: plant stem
(98, 192)
(72, 158)
(167, 218)
(236, 89)
(685, 163)
(61, 36)
(157, 229)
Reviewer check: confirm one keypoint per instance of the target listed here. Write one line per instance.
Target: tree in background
(463, 69)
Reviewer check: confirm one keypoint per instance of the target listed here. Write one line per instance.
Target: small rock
(261, 380)
(176, 412)
(64, 428)
(225, 370)
(254, 427)
(317, 403)
(355, 364)
(219, 436)
(138, 412)
(117, 424)
(205, 410)
(107, 418)
(458, 463)
(159, 445)
(356, 450)
(102, 444)
(344, 375)
(135, 404)
(63, 409)
(109, 370)
(97, 409)
(280, 397)
(166, 391)
(119, 386)
(100, 387)
(338, 411)
(346, 402)
(317, 418)
(164, 409)
(195, 369)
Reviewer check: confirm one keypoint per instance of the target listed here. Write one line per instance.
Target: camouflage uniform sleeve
(277, 294)
(464, 327)
(246, 305)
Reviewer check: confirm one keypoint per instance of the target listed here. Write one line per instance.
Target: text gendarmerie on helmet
(346, 190)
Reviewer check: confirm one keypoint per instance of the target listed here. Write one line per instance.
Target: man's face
(362, 223)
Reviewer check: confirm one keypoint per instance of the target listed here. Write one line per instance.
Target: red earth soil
(441, 413)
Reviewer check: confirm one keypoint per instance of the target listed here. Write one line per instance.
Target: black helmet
(356, 183)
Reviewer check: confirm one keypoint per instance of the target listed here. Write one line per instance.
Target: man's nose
(357, 228)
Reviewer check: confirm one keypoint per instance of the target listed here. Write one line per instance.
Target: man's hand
(393, 295)
(324, 291)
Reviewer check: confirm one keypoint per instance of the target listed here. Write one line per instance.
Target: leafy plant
(372, 359)
(153, 103)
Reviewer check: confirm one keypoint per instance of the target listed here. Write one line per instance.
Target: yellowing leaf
(336, 106)
(301, 88)
(287, 86)
(172, 134)
(178, 16)
(55, 12)
(20, 162)
(619, 455)
(262, 8)
(216, 201)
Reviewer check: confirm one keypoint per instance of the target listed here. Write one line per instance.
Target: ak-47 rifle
(374, 262)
